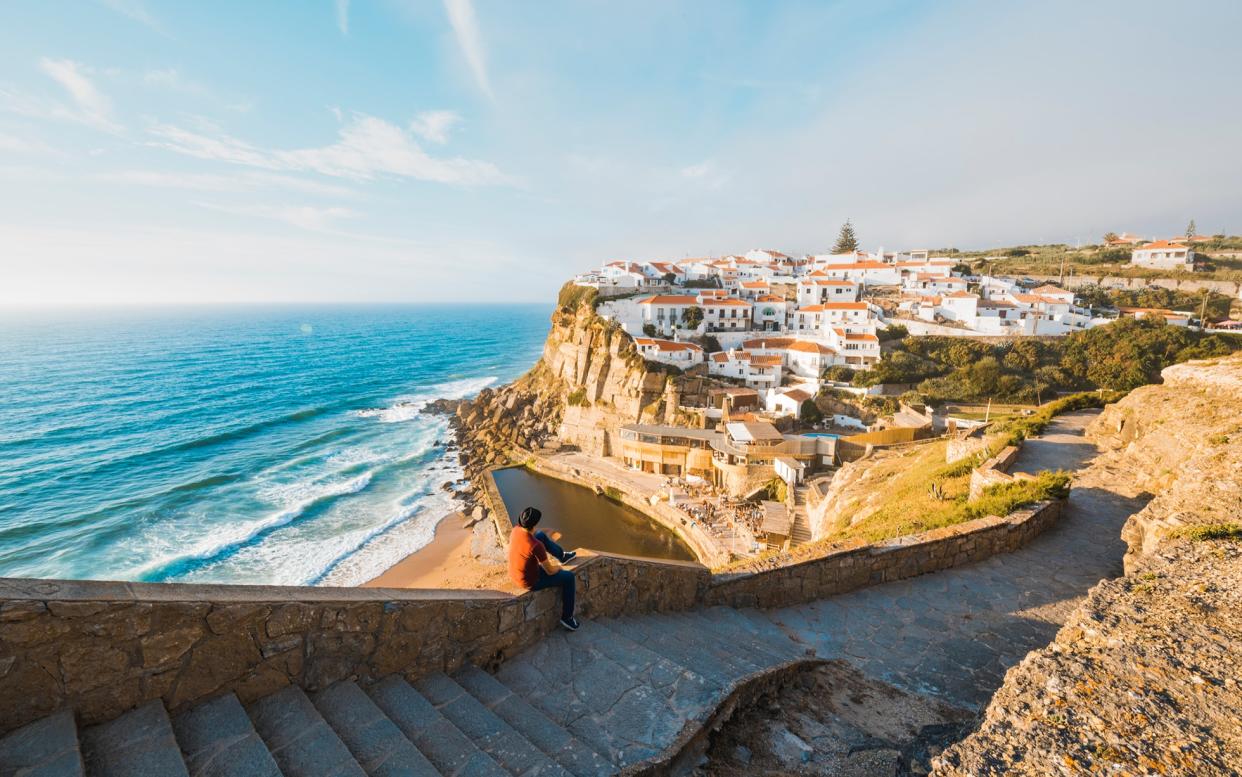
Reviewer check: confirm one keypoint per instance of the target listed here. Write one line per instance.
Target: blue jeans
(563, 579)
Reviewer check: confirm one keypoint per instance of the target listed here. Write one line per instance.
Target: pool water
(587, 519)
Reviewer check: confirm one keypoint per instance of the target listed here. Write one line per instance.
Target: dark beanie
(529, 517)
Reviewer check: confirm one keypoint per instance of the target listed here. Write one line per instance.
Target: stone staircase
(800, 532)
(618, 694)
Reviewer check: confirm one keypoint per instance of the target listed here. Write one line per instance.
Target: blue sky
(393, 150)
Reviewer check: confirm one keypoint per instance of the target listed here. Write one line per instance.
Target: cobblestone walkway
(953, 634)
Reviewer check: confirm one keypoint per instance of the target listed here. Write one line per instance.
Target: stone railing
(857, 565)
(105, 647)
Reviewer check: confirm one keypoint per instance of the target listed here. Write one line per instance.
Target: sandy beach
(445, 562)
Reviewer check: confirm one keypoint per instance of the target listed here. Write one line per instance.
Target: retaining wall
(856, 566)
(105, 647)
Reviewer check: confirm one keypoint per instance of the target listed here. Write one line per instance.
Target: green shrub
(573, 296)
(577, 398)
(1211, 531)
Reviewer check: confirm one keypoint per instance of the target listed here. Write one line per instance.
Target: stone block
(169, 646)
(290, 618)
(89, 666)
(231, 617)
(214, 662)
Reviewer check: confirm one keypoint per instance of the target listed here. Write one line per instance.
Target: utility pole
(1202, 311)
(1061, 276)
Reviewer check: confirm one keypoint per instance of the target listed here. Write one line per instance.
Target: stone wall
(105, 647)
(856, 566)
(994, 471)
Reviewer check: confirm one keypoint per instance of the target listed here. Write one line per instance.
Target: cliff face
(1180, 441)
(1144, 676)
(589, 381)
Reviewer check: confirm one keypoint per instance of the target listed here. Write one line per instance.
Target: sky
(485, 150)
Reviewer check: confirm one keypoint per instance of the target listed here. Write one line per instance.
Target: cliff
(1143, 678)
(589, 381)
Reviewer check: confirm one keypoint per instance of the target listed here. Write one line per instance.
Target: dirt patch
(833, 720)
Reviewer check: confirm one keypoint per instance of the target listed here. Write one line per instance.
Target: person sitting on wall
(535, 563)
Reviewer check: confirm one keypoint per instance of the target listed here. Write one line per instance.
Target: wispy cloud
(435, 126)
(87, 104)
(368, 148)
(342, 16)
(137, 11)
(306, 217)
(18, 145)
(466, 28)
(171, 78)
(212, 182)
(706, 173)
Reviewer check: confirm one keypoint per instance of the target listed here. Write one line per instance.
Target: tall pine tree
(1190, 230)
(847, 241)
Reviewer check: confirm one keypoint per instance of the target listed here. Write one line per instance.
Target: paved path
(617, 692)
(954, 633)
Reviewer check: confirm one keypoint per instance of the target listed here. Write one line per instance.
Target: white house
(757, 371)
(678, 354)
(865, 272)
(816, 290)
(859, 349)
(809, 359)
(787, 401)
(726, 314)
(752, 289)
(666, 311)
(933, 283)
(769, 312)
(1163, 255)
(1171, 317)
(815, 318)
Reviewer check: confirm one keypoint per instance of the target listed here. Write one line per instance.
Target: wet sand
(445, 562)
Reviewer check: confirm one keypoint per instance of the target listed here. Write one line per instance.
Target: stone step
(492, 734)
(757, 626)
(686, 690)
(45, 748)
(560, 745)
(376, 742)
(140, 742)
(673, 646)
(739, 641)
(445, 746)
(622, 715)
(693, 631)
(300, 740)
(217, 739)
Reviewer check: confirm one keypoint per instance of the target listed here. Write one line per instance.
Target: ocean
(276, 445)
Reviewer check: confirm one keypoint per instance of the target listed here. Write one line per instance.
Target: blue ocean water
(281, 445)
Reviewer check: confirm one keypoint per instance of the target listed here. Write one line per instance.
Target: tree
(847, 241)
(669, 278)
(1110, 237)
(649, 330)
(692, 317)
(1190, 229)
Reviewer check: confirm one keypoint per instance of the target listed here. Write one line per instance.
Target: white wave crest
(407, 408)
(231, 537)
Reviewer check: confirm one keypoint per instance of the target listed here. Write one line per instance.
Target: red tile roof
(669, 299)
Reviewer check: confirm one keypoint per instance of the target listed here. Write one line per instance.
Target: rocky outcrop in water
(1146, 676)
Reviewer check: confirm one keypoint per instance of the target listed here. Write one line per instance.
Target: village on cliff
(771, 333)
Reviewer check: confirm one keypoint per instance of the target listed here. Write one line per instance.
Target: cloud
(135, 10)
(342, 16)
(368, 148)
(306, 217)
(434, 126)
(89, 105)
(211, 182)
(466, 28)
(706, 173)
(171, 78)
(12, 143)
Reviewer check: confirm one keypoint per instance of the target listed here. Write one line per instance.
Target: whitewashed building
(672, 352)
(1164, 255)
